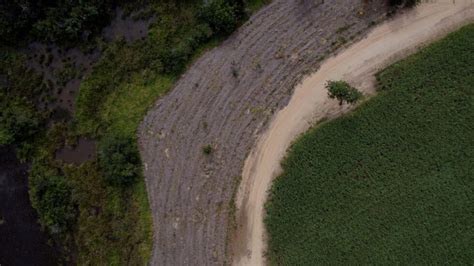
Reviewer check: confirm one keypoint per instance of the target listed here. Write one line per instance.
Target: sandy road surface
(225, 99)
(309, 103)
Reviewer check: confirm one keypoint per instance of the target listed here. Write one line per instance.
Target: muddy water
(21, 240)
(84, 150)
(63, 69)
(54, 64)
(127, 28)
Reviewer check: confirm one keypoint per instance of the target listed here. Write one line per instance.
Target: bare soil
(309, 104)
(226, 99)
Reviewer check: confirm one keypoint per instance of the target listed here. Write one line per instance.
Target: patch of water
(22, 242)
(84, 150)
(126, 27)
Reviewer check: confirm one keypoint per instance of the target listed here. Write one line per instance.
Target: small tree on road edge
(342, 91)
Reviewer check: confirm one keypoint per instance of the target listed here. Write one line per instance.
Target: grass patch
(391, 183)
(125, 107)
(254, 5)
(110, 217)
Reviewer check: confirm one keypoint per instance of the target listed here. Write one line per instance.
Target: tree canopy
(342, 91)
(119, 160)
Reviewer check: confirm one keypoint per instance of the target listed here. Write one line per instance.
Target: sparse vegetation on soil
(390, 183)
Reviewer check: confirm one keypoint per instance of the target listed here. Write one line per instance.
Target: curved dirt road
(225, 99)
(358, 64)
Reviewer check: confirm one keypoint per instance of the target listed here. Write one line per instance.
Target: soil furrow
(189, 191)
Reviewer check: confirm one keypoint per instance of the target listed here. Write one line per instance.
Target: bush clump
(342, 91)
(50, 195)
(222, 16)
(18, 121)
(207, 149)
(20, 91)
(119, 160)
(57, 21)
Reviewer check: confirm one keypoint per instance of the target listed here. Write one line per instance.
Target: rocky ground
(225, 100)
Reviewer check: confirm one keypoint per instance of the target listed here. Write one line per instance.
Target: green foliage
(113, 225)
(342, 91)
(391, 183)
(207, 149)
(171, 43)
(18, 120)
(222, 16)
(254, 5)
(20, 92)
(114, 67)
(68, 21)
(124, 108)
(57, 21)
(112, 101)
(107, 223)
(119, 160)
(149, 66)
(87, 203)
(50, 195)
(66, 73)
(16, 18)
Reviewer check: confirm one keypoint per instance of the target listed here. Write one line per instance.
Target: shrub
(20, 91)
(51, 196)
(119, 160)
(221, 15)
(61, 21)
(207, 150)
(342, 91)
(18, 121)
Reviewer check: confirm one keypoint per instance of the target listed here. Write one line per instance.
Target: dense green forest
(97, 212)
(390, 183)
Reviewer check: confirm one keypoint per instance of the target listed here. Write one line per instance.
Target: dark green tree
(18, 120)
(52, 20)
(342, 91)
(50, 195)
(119, 160)
(222, 16)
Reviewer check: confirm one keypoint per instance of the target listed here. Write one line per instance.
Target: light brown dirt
(225, 99)
(358, 64)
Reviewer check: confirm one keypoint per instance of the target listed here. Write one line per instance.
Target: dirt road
(358, 64)
(225, 100)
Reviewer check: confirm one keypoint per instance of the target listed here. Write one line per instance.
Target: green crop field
(391, 183)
